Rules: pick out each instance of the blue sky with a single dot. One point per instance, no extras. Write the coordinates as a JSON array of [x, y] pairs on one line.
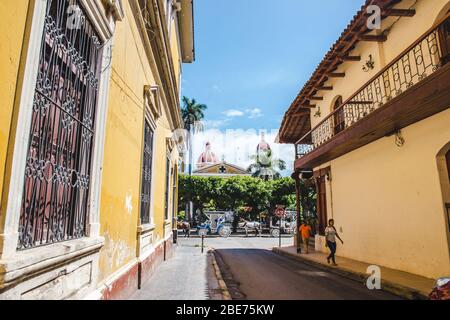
[[253, 56]]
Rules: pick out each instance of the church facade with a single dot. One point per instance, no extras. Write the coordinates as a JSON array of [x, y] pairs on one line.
[[208, 165]]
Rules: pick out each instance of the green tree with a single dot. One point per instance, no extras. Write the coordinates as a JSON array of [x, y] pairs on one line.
[[283, 193], [192, 113], [257, 196], [247, 196], [266, 167]]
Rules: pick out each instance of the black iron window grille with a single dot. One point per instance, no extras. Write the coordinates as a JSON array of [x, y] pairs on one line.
[[57, 174], [166, 202], [175, 191], [147, 174]]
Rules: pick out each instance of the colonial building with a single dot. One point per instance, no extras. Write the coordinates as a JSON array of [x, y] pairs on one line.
[[90, 97], [208, 165], [371, 129]]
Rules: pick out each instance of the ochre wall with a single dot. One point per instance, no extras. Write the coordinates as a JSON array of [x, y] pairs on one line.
[[12, 26], [121, 182], [389, 204]]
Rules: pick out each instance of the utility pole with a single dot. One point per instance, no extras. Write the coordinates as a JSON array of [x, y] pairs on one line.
[[298, 208]]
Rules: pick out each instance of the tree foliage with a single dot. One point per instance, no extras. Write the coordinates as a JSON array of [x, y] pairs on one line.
[[237, 193], [192, 114]]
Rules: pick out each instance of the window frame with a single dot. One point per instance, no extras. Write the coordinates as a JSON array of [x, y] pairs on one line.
[[9, 235]]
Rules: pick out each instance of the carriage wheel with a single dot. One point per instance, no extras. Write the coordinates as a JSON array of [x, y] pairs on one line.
[[225, 232], [275, 233]]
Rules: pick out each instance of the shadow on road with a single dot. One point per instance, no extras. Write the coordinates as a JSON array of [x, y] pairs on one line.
[[260, 274]]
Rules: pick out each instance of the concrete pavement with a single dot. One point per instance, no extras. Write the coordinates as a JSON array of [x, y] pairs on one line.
[[189, 275]]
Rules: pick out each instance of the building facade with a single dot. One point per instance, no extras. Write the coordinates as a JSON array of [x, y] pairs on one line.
[[88, 161], [371, 131]]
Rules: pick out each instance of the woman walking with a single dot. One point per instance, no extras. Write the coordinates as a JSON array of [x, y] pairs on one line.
[[331, 235]]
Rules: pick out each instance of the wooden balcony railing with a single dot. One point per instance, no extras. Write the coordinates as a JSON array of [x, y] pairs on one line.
[[423, 58]]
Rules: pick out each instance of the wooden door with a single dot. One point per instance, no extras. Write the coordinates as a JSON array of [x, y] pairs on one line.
[[321, 205]]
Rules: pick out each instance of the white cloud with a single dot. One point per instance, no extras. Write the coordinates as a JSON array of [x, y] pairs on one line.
[[214, 124], [254, 113], [233, 113]]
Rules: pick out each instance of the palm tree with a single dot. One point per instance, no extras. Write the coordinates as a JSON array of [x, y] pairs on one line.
[[192, 114], [266, 167]]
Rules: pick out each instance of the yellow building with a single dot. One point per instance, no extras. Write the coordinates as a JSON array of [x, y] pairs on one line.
[[90, 96], [371, 129]]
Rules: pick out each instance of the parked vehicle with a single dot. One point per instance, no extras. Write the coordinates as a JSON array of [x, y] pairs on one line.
[[286, 225], [442, 290], [217, 223]]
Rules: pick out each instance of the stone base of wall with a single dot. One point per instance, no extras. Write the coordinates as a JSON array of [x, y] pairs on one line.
[[126, 284], [60, 271]]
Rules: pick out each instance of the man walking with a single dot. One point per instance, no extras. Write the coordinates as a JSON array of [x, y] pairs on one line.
[[305, 231]]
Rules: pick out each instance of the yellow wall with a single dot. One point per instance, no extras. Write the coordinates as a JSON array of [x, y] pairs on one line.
[[175, 50], [12, 26], [389, 204], [121, 184]]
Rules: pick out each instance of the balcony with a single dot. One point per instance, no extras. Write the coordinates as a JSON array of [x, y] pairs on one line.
[[412, 87]]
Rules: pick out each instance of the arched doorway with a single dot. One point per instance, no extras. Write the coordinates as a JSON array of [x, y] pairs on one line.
[[339, 118]]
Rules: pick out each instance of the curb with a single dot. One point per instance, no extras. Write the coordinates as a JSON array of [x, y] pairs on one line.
[[223, 287], [388, 286]]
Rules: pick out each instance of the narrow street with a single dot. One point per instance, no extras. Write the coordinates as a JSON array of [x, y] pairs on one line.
[[252, 271]]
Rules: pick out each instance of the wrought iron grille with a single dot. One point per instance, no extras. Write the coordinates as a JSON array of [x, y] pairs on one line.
[[166, 202], [147, 174], [57, 174], [419, 61], [302, 149]]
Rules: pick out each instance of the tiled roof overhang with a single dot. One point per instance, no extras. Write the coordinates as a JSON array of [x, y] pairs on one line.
[[296, 122]]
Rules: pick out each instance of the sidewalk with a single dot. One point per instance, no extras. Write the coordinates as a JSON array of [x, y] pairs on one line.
[[189, 275], [401, 283]]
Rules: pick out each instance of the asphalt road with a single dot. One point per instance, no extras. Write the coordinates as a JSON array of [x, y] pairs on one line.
[[252, 271]]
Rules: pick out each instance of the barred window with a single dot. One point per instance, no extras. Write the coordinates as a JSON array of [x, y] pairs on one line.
[[146, 174], [57, 175], [166, 202], [175, 191]]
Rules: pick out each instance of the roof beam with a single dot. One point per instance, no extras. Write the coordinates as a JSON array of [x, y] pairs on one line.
[[400, 13], [373, 38], [307, 105], [336, 74], [350, 58], [325, 88]]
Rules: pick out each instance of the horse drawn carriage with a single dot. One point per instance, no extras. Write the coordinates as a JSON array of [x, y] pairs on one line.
[[218, 222], [284, 224]]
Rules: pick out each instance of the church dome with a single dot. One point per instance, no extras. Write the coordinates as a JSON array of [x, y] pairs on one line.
[[207, 157]]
